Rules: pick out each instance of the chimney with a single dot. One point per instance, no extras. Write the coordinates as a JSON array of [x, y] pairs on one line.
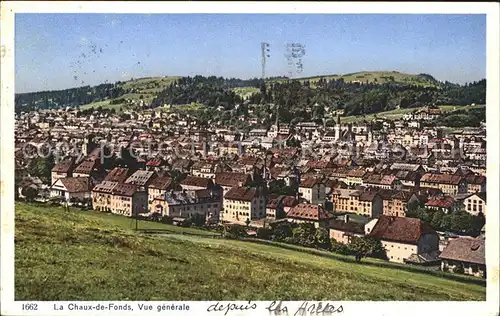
[[346, 218]]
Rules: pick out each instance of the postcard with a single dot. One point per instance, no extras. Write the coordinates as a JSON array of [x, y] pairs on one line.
[[249, 158]]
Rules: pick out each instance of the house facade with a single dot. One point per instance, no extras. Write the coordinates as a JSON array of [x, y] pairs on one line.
[[241, 204], [465, 255], [312, 190], [403, 237]]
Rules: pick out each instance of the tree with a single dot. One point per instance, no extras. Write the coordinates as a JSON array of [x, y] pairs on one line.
[[323, 238], [30, 192], [264, 233], [282, 231], [365, 246], [234, 231], [41, 167], [461, 222], [198, 219], [304, 234], [339, 248], [437, 218]]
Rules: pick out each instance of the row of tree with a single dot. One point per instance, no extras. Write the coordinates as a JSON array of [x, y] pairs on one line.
[[25, 102], [307, 235], [459, 222]]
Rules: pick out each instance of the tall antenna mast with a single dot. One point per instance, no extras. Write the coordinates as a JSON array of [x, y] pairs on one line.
[[264, 47]]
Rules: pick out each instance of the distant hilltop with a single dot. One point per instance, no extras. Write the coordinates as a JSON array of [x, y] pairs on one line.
[[356, 93], [376, 77]]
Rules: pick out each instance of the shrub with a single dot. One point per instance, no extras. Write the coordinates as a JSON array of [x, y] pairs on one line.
[[264, 233]]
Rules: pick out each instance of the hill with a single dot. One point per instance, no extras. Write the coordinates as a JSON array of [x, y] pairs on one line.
[[84, 255], [107, 95], [378, 77], [144, 89]]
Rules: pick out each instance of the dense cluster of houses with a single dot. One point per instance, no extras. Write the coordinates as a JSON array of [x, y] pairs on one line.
[[351, 179]]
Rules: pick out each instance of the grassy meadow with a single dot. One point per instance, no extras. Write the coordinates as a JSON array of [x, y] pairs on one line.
[[84, 255]]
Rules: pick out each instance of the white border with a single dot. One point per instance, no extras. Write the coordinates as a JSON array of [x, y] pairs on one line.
[[8, 9]]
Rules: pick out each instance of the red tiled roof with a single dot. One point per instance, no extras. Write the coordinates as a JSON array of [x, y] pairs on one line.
[[441, 178], [78, 184], [117, 175], [400, 229], [465, 250], [64, 166], [311, 212], [154, 162], [232, 179], [85, 167], [197, 181], [442, 202], [475, 179], [161, 183], [124, 189], [351, 227], [242, 194], [309, 182]]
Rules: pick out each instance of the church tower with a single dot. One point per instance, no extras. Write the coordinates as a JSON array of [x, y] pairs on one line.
[[277, 118], [337, 128]]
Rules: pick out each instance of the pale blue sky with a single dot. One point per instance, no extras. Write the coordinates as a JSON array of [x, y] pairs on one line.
[[51, 49]]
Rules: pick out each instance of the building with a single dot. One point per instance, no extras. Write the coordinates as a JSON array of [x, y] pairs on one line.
[[446, 204], [310, 213], [395, 203], [475, 183], [158, 187], [367, 203], [119, 198], [312, 190], [141, 179], [354, 177], [449, 184], [192, 183], [118, 174], [343, 201], [465, 255], [281, 203], [71, 188], [63, 169], [242, 204], [228, 180], [185, 204], [388, 182], [342, 231], [475, 203], [404, 237]]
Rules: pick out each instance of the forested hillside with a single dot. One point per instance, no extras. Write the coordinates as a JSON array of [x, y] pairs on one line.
[[379, 92]]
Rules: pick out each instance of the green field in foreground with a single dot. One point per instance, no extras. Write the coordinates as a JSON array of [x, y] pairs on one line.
[[83, 255]]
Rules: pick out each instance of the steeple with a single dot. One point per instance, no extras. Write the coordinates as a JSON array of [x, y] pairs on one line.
[[277, 118], [337, 128]]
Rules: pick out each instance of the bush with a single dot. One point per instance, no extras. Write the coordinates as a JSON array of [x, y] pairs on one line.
[[234, 232], [167, 220], [339, 248], [264, 233]]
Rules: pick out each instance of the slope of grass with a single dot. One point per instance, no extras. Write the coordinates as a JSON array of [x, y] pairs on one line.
[[80, 255], [379, 77], [399, 113], [148, 88], [245, 92]]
